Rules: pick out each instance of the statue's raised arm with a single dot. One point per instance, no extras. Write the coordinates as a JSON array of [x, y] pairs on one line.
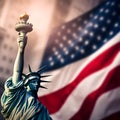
[[19, 100], [22, 27]]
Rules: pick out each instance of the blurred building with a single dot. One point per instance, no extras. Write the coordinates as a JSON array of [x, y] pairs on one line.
[[8, 48]]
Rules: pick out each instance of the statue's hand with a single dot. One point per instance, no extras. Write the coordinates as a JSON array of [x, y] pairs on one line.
[[22, 41]]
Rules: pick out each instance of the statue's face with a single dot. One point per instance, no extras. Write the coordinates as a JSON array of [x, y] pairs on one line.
[[34, 85]]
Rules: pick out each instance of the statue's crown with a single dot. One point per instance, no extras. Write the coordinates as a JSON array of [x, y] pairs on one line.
[[34, 75]]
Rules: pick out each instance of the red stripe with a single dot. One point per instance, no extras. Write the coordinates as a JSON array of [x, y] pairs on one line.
[[55, 100], [115, 116], [112, 81]]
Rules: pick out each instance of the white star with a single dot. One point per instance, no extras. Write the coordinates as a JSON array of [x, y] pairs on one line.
[[101, 18], [108, 21], [77, 48], [116, 24], [72, 56], [65, 49], [114, 13], [107, 11], [70, 43], [94, 47], [79, 28], [98, 37], [86, 42], [91, 15], [59, 56], [50, 58], [107, 3], [52, 63], [66, 52], [86, 31], [91, 34], [96, 26], [105, 41], [63, 27], [74, 25], [103, 29], [62, 60], [64, 38], [80, 39], [56, 52], [82, 51], [74, 35], [96, 17], [90, 24], [102, 9], [85, 22], [61, 45], [113, 3], [69, 31], [111, 33], [54, 49]]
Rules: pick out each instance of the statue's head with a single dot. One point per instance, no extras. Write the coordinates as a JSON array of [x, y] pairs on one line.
[[33, 80]]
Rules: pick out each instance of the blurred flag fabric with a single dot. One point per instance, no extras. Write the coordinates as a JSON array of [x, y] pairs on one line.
[[83, 57]]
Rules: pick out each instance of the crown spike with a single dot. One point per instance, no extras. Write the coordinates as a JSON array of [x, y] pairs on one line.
[[24, 74], [30, 70], [44, 81], [41, 69], [45, 76], [42, 87]]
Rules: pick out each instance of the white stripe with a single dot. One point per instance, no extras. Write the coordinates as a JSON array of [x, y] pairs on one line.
[[64, 76], [77, 97], [107, 104]]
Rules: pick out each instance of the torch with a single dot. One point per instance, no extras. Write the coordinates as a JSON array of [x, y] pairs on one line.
[[23, 27]]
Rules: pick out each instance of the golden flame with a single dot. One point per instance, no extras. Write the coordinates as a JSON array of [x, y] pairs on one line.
[[24, 16]]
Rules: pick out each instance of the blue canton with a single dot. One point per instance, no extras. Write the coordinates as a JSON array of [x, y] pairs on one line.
[[82, 36]]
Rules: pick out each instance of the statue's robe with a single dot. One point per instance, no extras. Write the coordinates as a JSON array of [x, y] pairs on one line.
[[18, 104]]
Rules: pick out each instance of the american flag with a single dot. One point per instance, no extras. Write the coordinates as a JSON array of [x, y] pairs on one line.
[[83, 57]]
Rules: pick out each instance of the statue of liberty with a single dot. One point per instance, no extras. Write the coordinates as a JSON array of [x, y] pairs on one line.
[[19, 100]]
